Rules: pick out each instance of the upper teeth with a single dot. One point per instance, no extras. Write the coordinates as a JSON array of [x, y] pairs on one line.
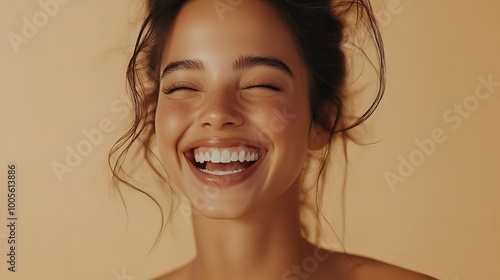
[[224, 155]]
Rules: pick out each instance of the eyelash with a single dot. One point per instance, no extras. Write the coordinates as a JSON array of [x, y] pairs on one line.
[[174, 87], [268, 85], [179, 86]]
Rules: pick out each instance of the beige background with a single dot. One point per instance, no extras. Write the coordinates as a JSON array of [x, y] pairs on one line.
[[442, 220]]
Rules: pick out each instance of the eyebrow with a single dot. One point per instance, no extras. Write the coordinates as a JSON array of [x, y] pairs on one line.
[[248, 61], [243, 62], [185, 64]]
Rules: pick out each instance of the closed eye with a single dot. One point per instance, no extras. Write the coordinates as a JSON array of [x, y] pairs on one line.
[[268, 85], [177, 87]]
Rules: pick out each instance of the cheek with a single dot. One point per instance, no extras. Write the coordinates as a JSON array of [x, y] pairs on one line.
[[170, 122], [283, 121]]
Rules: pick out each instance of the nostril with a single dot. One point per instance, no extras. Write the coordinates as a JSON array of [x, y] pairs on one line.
[[221, 117], [219, 124]]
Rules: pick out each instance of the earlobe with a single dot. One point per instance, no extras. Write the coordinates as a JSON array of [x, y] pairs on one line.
[[318, 138]]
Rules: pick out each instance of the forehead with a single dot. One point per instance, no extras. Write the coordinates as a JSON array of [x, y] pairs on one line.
[[206, 31]]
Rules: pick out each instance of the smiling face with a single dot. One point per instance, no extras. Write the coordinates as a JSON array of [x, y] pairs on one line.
[[233, 119]]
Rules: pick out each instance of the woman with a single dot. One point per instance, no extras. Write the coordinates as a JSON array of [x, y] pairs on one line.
[[240, 96]]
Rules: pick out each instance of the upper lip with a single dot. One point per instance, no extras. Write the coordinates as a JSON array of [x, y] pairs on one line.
[[220, 142]]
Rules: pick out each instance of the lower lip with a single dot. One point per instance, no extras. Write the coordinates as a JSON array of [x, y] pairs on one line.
[[228, 180]]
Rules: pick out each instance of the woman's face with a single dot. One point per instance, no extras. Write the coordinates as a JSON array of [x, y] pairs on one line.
[[233, 120]]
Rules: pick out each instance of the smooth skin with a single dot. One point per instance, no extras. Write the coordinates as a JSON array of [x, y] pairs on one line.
[[250, 230]]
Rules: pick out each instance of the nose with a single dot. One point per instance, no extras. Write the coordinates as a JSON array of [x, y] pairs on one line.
[[220, 110]]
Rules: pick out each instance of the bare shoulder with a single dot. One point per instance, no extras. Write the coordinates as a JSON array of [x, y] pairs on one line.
[[181, 273], [336, 264], [354, 267]]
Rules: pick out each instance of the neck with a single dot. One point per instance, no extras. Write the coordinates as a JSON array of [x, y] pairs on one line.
[[261, 245]]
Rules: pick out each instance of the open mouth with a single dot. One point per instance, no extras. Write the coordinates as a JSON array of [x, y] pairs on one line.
[[224, 161]]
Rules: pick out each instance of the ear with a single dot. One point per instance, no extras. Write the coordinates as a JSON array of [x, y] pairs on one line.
[[317, 138]]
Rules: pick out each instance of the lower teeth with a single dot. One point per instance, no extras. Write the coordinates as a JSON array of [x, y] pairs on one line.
[[221, 172]]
